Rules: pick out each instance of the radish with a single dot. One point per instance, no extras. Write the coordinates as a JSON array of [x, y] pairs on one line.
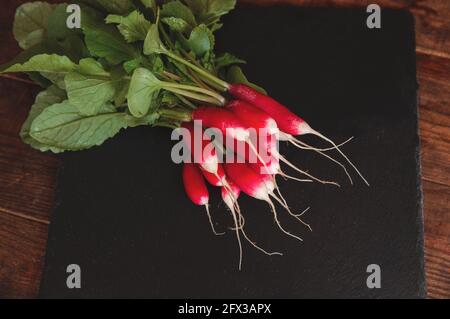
[[196, 189], [287, 121], [218, 180], [272, 166], [253, 117], [203, 152], [223, 120], [267, 131], [258, 186], [227, 122]]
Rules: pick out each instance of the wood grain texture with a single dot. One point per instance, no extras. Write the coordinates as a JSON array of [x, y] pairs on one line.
[[27, 177], [22, 250]]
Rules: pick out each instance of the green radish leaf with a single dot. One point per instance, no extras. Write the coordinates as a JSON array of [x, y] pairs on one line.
[[44, 63], [208, 11], [30, 23], [57, 24], [227, 59], [106, 42], [201, 40], [209, 61], [90, 87], [74, 48], [156, 64], [149, 3], [133, 27], [176, 9], [122, 85], [87, 93], [39, 79], [61, 126], [46, 47], [131, 65], [169, 99], [236, 75], [122, 88], [176, 24], [90, 66], [143, 93], [216, 27], [56, 78], [112, 6], [52, 95], [153, 43]]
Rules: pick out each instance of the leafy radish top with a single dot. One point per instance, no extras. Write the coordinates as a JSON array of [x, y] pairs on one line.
[[131, 63]]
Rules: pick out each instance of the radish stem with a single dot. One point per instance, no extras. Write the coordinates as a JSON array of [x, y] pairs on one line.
[[197, 69], [213, 94], [195, 96], [176, 114]]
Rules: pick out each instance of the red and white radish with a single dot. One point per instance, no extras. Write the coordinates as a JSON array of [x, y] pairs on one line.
[[253, 117], [258, 186], [266, 139], [217, 180], [287, 121], [223, 120], [196, 189], [228, 123], [202, 151]]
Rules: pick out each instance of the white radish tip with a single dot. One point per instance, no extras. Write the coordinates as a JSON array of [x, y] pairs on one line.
[[263, 191], [229, 201], [204, 201], [284, 137], [211, 165], [304, 129], [272, 127], [239, 134], [272, 169]]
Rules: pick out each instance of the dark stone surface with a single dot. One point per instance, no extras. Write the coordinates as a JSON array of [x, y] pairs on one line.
[[122, 215]]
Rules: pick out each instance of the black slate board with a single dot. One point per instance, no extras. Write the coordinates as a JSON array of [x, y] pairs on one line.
[[121, 213]]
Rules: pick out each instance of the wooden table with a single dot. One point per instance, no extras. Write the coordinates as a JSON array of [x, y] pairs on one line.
[[27, 177]]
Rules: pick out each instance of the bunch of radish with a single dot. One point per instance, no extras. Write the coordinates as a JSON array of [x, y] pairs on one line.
[[248, 110], [154, 64]]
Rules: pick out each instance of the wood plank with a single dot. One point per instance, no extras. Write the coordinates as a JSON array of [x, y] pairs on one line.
[[437, 208], [437, 241], [22, 250], [437, 259], [435, 117], [27, 179]]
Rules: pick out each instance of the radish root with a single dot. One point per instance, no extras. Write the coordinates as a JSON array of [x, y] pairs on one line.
[[300, 145], [284, 160], [285, 206], [284, 175], [238, 237], [212, 223], [275, 215], [314, 132], [251, 241], [308, 147]]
